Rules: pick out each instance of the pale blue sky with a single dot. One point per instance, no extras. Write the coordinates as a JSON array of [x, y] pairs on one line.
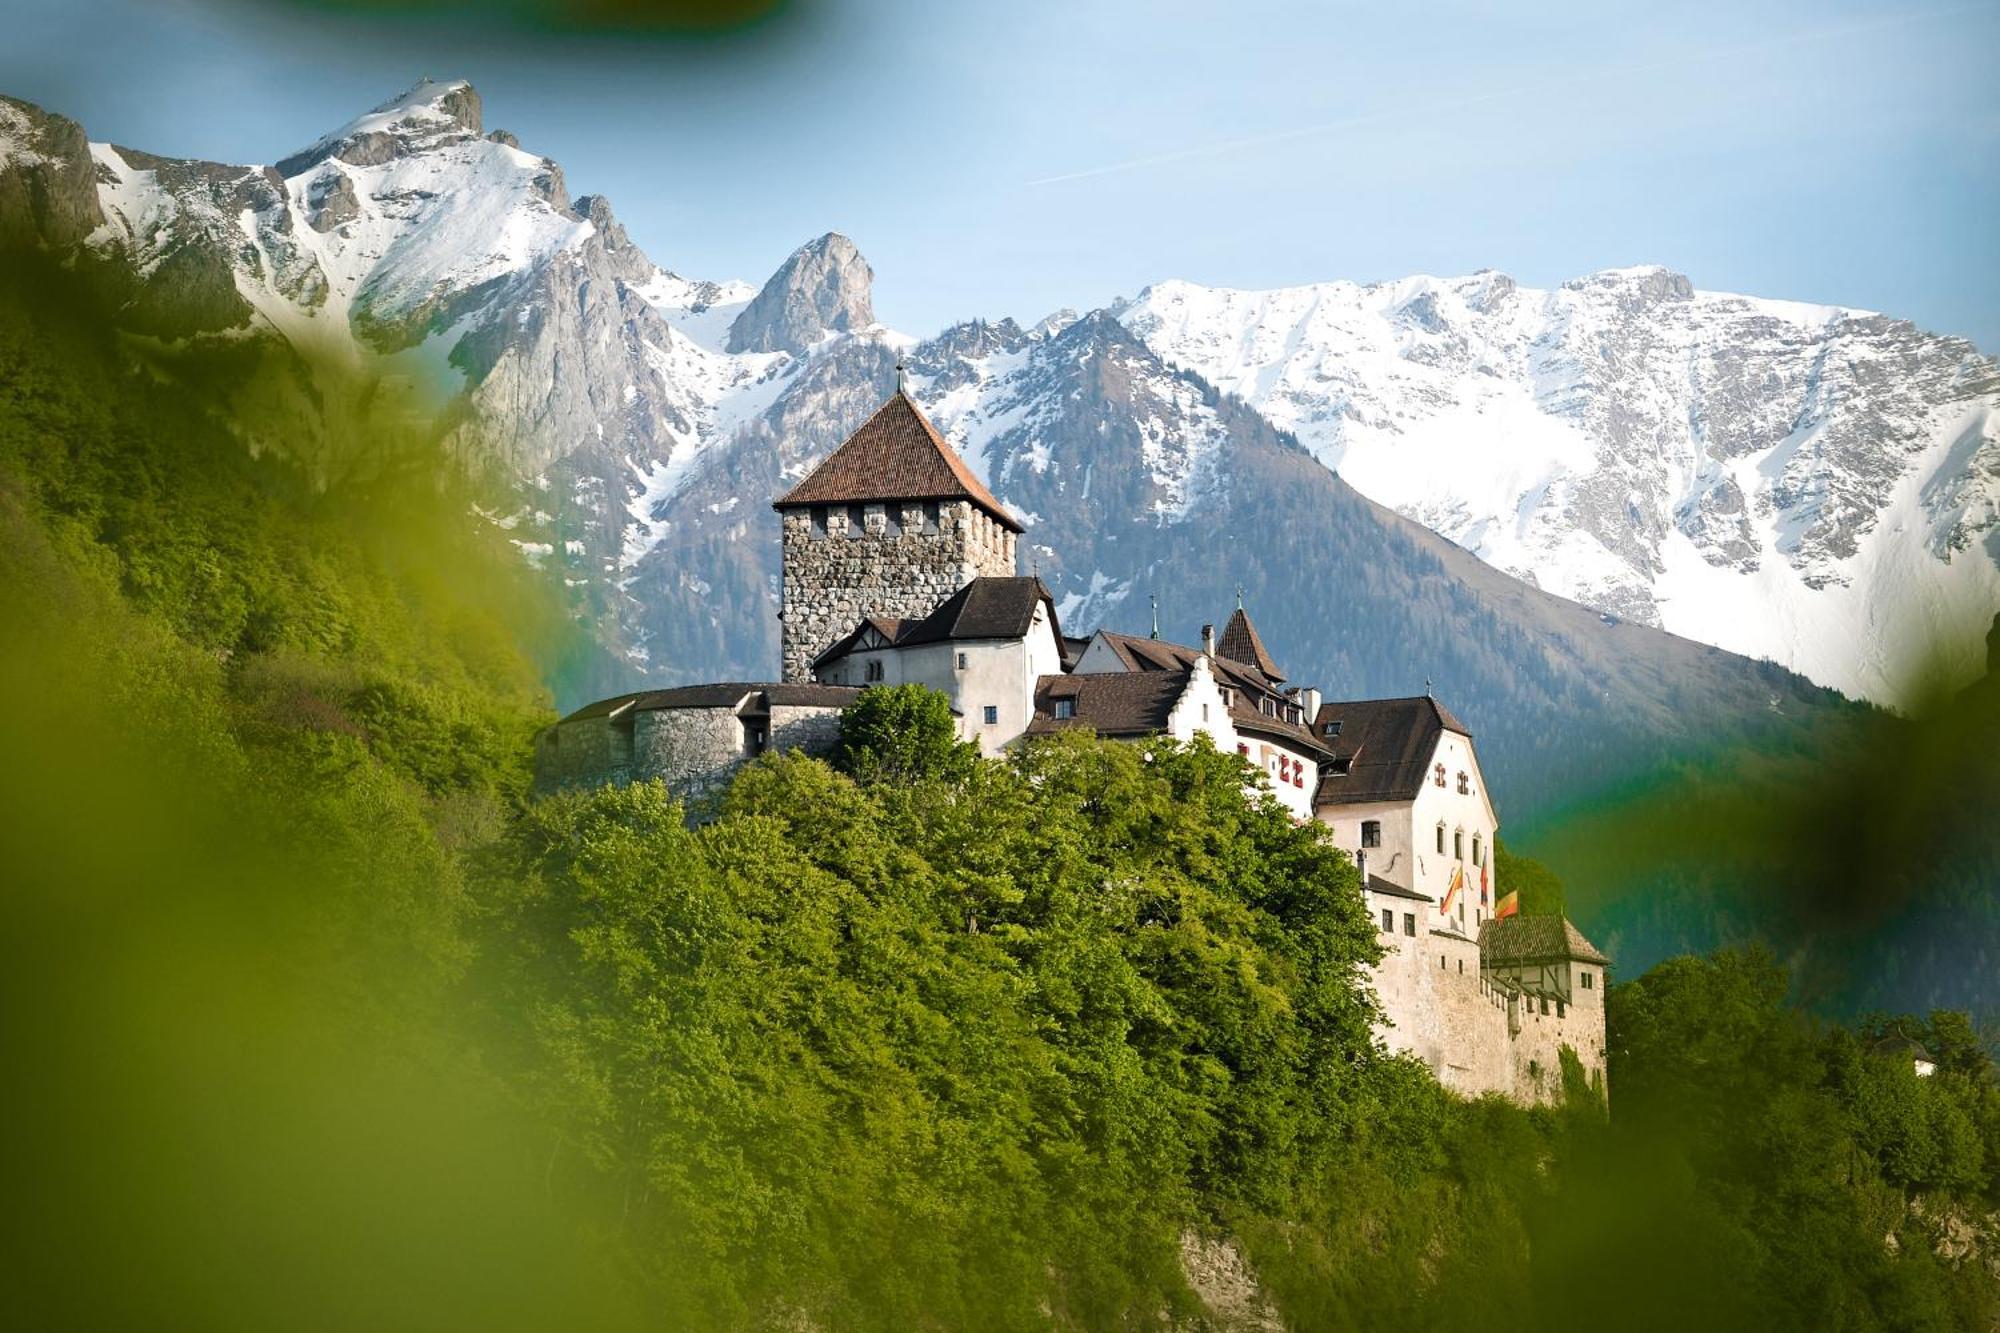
[[1008, 159]]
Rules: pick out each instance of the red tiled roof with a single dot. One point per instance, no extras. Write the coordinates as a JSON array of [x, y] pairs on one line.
[[896, 455]]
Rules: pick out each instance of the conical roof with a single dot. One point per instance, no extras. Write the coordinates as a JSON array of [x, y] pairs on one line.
[[1241, 644], [896, 455]]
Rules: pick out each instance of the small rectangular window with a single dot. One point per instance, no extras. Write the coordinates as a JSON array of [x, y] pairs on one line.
[[1559, 1008], [992, 714], [1586, 980], [1371, 833], [1410, 924], [1388, 921], [1333, 728], [1065, 708], [1440, 840], [961, 661]]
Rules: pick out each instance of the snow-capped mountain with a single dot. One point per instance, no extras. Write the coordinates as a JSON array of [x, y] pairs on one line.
[[648, 418], [1815, 485]]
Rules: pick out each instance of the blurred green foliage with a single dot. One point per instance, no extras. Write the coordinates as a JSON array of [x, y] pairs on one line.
[[1865, 850]]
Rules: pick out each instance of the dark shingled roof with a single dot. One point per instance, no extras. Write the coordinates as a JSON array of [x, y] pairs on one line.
[[1378, 885], [758, 695], [1249, 683], [1240, 643], [988, 607], [896, 455], [1111, 703], [1387, 745], [1535, 939]]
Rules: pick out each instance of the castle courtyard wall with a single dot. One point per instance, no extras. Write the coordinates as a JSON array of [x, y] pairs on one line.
[[1476, 1036], [694, 750]]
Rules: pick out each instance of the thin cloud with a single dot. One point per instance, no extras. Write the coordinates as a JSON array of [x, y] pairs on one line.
[[1829, 33]]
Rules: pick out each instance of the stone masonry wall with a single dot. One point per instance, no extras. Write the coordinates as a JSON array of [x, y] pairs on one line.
[[1536, 1047], [695, 751], [813, 730], [1476, 1036], [843, 562]]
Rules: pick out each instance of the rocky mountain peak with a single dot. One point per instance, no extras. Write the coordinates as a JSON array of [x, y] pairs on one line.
[[429, 114], [822, 288], [1645, 284]]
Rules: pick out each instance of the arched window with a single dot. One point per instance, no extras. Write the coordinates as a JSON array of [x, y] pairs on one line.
[[1475, 851], [1440, 839], [1458, 844]]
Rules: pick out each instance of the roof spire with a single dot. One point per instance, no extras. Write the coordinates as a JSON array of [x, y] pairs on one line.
[[1427, 687], [902, 382], [1154, 598], [1239, 597]]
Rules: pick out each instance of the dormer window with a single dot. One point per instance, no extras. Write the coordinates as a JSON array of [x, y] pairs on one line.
[[1065, 709], [1332, 728]]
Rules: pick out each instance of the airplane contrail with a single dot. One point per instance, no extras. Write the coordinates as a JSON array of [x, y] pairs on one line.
[[1459, 104]]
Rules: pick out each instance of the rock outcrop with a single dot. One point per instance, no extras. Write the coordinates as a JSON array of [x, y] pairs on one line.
[[822, 288]]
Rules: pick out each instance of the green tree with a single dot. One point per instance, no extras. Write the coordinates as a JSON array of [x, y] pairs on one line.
[[901, 733]]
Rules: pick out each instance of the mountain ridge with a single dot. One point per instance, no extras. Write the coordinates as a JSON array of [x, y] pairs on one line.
[[1813, 484], [648, 452]]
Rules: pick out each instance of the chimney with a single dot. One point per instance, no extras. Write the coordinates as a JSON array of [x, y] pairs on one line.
[[1208, 640], [1309, 700]]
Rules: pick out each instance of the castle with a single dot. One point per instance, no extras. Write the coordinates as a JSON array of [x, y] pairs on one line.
[[899, 567]]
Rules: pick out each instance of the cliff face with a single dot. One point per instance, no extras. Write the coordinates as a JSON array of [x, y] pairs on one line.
[[48, 190]]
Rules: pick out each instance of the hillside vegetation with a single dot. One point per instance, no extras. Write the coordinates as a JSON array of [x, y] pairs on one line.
[[316, 1021]]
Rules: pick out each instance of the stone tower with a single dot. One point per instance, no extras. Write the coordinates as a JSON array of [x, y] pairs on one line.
[[890, 525]]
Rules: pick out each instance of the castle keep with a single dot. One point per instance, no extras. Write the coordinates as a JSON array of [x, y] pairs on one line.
[[899, 568], [891, 524]]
